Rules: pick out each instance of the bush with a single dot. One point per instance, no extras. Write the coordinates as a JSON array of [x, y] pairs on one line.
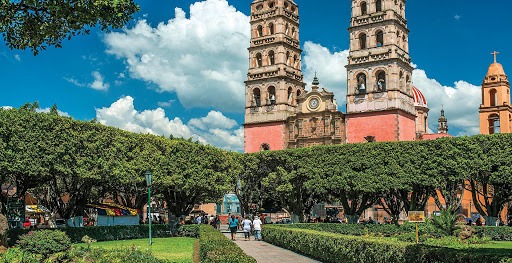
[[98, 255], [110, 233], [371, 230], [330, 247], [44, 242], [16, 255], [215, 247], [496, 233]]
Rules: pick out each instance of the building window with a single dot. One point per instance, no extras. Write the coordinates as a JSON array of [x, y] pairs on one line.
[[361, 83], [287, 29], [271, 4], [288, 58], [259, 60], [257, 97], [364, 8], [272, 95], [260, 31], [425, 121], [290, 95], [265, 147], [380, 38], [494, 124], [381, 81], [271, 58], [494, 98], [378, 5], [271, 28], [295, 62], [362, 41], [298, 93]]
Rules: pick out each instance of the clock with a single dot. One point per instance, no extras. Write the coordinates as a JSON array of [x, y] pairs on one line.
[[313, 103]]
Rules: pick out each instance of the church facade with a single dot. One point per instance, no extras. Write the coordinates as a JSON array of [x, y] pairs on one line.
[[381, 102]]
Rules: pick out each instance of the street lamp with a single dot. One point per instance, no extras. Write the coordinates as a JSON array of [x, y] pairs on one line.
[[149, 182]]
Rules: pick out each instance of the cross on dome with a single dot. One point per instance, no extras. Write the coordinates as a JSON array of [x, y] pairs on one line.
[[495, 53]]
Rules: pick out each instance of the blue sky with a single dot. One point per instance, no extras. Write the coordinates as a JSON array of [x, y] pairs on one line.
[[185, 76]]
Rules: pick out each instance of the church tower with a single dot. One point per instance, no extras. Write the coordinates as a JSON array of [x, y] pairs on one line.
[[275, 79], [380, 101], [495, 110], [442, 123]]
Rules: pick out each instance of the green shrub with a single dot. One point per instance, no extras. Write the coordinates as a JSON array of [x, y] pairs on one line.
[[371, 230], [110, 233], [496, 233], [16, 255], [215, 247], [446, 221], [44, 242], [98, 255], [331, 247]]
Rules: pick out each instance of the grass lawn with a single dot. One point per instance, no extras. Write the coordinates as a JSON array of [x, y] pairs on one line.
[[175, 249]]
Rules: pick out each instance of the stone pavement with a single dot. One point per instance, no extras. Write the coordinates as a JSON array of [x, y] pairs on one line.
[[264, 252]]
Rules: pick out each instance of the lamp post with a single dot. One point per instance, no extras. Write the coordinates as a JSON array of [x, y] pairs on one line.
[[149, 182]]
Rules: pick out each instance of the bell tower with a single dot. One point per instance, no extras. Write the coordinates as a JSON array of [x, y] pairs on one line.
[[380, 102], [495, 110], [275, 79]]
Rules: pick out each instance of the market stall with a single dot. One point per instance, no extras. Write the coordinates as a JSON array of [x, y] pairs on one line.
[[114, 215]]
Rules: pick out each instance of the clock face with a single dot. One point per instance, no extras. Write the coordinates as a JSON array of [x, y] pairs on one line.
[[313, 103]]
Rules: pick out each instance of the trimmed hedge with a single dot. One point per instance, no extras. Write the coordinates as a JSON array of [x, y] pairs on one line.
[[76, 254], [369, 229], [331, 247], [109, 233], [500, 233], [215, 247], [496, 233]]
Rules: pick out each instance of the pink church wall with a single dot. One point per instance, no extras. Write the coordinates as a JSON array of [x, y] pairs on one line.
[[385, 126], [258, 134]]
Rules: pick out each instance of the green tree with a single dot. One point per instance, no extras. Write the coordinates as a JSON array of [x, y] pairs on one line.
[[36, 24]]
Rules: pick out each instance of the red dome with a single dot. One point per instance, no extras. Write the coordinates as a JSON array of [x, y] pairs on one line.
[[419, 98]]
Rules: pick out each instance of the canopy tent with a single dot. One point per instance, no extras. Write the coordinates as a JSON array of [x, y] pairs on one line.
[[114, 214], [36, 209]]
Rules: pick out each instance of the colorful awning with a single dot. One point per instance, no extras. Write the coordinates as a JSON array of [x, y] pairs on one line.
[[114, 210]]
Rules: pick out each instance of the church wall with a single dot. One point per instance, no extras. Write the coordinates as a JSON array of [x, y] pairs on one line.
[[385, 126], [407, 127], [255, 135]]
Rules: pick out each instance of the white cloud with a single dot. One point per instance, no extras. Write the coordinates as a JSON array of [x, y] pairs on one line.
[[61, 113], [17, 57], [6, 107], [457, 17], [166, 104], [98, 83], [75, 82], [461, 101], [214, 129], [330, 68], [214, 119], [203, 58]]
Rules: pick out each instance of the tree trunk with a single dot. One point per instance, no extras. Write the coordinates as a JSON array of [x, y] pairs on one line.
[[490, 220], [352, 219]]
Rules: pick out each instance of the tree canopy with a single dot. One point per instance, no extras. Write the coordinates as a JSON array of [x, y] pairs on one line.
[[55, 157], [36, 24]]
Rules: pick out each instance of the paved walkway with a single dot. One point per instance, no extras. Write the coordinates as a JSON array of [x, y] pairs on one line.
[[264, 252]]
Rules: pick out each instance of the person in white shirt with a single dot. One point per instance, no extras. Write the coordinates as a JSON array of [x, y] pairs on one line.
[[257, 228], [246, 225]]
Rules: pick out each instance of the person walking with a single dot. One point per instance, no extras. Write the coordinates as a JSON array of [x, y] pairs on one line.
[[257, 228], [233, 226], [247, 225]]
